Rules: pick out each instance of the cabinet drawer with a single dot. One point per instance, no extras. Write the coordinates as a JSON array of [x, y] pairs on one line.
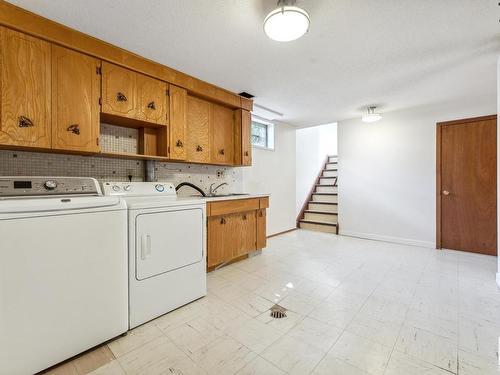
[[232, 206]]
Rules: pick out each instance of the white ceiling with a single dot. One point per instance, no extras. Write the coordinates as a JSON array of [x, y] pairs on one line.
[[393, 53]]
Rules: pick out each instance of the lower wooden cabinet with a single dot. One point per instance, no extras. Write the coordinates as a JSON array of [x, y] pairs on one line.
[[232, 233], [261, 228]]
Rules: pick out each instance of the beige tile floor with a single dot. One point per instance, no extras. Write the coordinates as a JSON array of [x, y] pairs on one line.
[[356, 307]]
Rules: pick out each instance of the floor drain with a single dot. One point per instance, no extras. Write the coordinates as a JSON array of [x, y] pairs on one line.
[[278, 312]]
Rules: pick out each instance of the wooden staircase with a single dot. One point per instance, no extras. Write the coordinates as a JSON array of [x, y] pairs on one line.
[[320, 211]]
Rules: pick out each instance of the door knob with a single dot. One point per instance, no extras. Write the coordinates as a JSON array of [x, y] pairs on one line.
[[446, 192]]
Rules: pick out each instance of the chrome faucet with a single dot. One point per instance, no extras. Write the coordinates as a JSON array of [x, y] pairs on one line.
[[212, 191]]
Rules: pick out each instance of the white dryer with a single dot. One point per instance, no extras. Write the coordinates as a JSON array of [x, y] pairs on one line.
[[166, 248]]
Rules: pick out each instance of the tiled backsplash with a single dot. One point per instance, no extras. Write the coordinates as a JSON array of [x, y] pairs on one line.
[[21, 163], [118, 139]]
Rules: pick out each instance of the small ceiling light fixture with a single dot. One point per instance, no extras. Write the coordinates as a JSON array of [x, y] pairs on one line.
[[287, 22], [370, 115]]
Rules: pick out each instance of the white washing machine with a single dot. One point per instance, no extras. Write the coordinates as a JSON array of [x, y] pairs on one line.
[[166, 248], [63, 270]]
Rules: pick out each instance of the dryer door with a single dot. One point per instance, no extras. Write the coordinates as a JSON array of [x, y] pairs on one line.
[[168, 240]]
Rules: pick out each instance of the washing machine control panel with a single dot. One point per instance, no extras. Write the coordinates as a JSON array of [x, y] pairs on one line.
[[139, 188], [24, 186]]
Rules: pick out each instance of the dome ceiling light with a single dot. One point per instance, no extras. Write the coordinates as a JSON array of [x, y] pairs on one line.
[[371, 115], [287, 22]]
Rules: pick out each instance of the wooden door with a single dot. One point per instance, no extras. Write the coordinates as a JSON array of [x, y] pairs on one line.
[[198, 112], [467, 185], [76, 87], [177, 123], [152, 100], [246, 138], [119, 91], [244, 232], [221, 134], [25, 90], [261, 229]]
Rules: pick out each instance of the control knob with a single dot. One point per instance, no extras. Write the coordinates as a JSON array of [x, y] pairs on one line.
[[116, 188], [160, 188], [50, 184]]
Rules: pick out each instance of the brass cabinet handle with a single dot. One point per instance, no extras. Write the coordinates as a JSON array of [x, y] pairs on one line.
[[121, 97], [446, 192], [244, 217], [25, 122], [199, 148], [246, 153], [179, 143], [260, 213], [221, 151], [152, 105], [75, 129], [222, 220]]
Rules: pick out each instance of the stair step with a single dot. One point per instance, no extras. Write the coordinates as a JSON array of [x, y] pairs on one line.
[[326, 189], [318, 216], [327, 173], [327, 181], [323, 207], [318, 226], [331, 166], [330, 169], [325, 197]]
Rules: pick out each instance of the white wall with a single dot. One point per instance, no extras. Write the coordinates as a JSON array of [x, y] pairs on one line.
[[312, 146], [387, 171], [273, 172]]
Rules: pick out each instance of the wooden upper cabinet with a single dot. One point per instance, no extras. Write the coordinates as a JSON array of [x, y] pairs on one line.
[[152, 99], [25, 90], [178, 123], [197, 145], [221, 134], [119, 91], [76, 87], [132, 95], [246, 138]]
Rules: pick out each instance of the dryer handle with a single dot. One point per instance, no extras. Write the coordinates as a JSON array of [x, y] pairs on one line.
[[145, 246]]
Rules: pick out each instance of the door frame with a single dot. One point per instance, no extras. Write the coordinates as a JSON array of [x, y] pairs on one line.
[[439, 129]]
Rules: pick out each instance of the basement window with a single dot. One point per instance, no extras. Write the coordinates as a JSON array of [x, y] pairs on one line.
[[262, 134]]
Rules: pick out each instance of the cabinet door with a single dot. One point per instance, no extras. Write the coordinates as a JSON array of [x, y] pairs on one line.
[[246, 138], [76, 88], [261, 229], [119, 91], [246, 233], [222, 239], [25, 90], [178, 122], [221, 134], [152, 100], [198, 112]]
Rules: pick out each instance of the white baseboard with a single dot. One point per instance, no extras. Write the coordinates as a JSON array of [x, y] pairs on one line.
[[498, 279], [377, 237]]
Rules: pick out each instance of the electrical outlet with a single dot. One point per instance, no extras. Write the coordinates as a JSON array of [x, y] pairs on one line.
[[221, 173]]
